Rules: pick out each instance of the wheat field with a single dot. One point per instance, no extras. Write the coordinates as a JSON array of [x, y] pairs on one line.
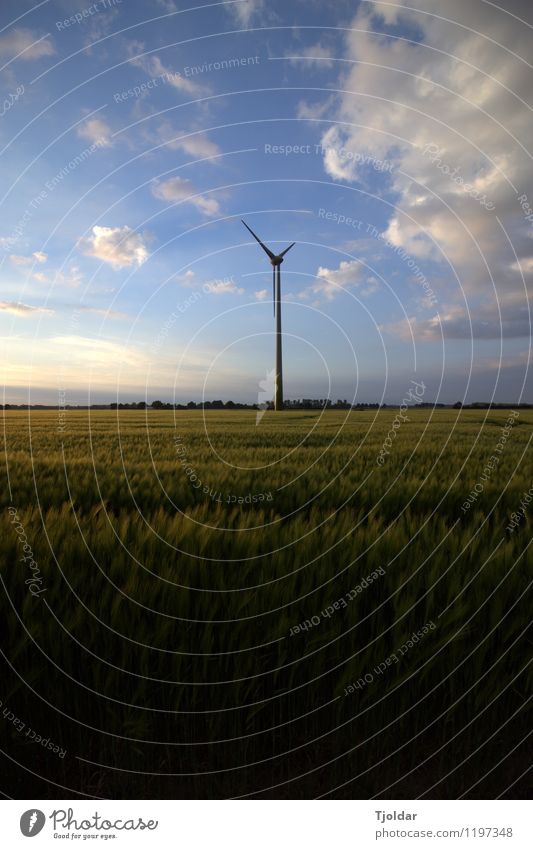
[[197, 605]]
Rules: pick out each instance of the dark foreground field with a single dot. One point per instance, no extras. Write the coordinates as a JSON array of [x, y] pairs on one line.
[[157, 569]]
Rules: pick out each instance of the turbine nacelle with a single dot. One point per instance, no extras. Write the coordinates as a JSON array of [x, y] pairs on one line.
[[275, 259]]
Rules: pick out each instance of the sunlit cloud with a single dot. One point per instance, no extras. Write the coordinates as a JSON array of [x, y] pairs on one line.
[[247, 11], [120, 247], [154, 67], [25, 44], [331, 282], [36, 256], [223, 287], [24, 310], [97, 131], [187, 278], [179, 189], [197, 145]]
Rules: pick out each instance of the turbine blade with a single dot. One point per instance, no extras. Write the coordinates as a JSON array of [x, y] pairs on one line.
[[257, 239], [274, 290], [287, 249]]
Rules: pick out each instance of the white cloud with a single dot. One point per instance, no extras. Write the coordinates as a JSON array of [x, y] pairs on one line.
[[223, 287], [246, 11], [71, 277], [179, 189], [168, 5], [25, 44], [188, 278], [524, 266], [113, 314], [195, 144], [37, 256], [331, 281], [97, 131], [262, 295], [153, 67], [389, 11], [316, 54], [83, 350], [92, 365], [371, 286], [508, 319], [85, 364], [437, 99], [16, 308], [121, 247]]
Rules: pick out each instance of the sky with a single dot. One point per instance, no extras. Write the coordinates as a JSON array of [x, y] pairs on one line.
[[390, 141]]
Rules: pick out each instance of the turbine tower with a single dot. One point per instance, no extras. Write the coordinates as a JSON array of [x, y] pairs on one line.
[[275, 261]]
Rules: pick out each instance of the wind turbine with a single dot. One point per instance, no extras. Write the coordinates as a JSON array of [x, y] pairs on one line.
[[275, 261]]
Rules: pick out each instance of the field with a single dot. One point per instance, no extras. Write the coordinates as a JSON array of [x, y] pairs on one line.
[[210, 607]]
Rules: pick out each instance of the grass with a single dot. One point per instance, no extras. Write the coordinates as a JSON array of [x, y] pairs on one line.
[[160, 653]]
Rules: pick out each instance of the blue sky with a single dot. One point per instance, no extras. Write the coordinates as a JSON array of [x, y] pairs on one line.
[[391, 144]]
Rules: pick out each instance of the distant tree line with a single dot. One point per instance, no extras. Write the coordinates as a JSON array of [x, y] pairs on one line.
[[298, 404]]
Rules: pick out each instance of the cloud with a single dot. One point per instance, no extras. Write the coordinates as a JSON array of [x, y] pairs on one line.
[[452, 127], [262, 295], [114, 314], [316, 54], [389, 10], [371, 285], [16, 308], [87, 365], [101, 355], [226, 286], [223, 287], [153, 67], [188, 278], [196, 144], [121, 247], [331, 282], [315, 111], [168, 5], [37, 256], [179, 189], [503, 320], [70, 277], [524, 266], [97, 131], [245, 12], [97, 351], [25, 45]]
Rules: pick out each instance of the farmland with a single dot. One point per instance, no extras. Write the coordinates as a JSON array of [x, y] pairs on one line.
[[211, 607]]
